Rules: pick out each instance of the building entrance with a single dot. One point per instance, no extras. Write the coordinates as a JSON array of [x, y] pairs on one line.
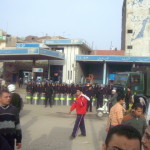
[[56, 73]]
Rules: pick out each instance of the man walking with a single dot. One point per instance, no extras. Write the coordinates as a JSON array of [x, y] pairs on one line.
[[80, 105], [9, 121]]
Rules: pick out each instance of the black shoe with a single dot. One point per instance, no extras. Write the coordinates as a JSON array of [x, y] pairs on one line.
[[81, 135], [72, 137]]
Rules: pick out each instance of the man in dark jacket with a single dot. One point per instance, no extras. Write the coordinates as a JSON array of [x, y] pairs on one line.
[[4, 144], [99, 96], [90, 94], [113, 99], [9, 121], [48, 94], [30, 90]]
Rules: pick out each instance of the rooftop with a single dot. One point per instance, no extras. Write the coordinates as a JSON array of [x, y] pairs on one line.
[[108, 52]]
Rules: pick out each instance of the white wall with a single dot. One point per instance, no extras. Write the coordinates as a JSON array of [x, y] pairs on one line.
[[72, 71], [138, 19], [2, 45], [70, 63]]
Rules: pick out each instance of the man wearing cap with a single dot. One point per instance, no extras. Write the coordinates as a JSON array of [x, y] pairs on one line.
[[80, 105], [113, 99], [16, 99]]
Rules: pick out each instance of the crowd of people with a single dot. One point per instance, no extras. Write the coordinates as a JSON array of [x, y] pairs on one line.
[[51, 89], [126, 126]]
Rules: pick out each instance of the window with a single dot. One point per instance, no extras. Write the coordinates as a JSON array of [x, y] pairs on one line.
[[130, 31], [135, 79], [71, 76], [121, 79], [60, 50], [68, 75], [129, 47]]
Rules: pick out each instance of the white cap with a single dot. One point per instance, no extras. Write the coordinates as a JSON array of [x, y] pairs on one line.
[[113, 90], [11, 87]]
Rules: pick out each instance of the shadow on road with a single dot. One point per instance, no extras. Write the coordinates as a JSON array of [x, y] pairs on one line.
[[26, 133], [24, 113], [57, 139]]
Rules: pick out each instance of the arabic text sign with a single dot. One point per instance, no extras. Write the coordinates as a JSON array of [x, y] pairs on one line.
[[27, 45], [112, 58], [37, 69]]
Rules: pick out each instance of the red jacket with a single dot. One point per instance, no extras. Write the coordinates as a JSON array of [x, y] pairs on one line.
[[80, 105]]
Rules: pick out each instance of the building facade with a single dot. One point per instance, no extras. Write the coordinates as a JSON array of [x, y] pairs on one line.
[[136, 27], [70, 70], [2, 39], [67, 70]]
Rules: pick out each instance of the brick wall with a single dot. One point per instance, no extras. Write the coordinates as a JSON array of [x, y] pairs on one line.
[[107, 52]]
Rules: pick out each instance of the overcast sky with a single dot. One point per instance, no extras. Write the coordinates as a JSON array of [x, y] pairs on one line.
[[98, 22]]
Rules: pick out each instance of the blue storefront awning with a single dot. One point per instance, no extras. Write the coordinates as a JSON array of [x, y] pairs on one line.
[[112, 58], [30, 54]]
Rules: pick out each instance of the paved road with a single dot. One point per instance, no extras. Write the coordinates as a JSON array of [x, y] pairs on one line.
[[50, 128]]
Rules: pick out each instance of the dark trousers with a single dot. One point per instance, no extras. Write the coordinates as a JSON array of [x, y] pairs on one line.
[[127, 104], [79, 123], [89, 105], [48, 99], [110, 106], [11, 141], [99, 102]]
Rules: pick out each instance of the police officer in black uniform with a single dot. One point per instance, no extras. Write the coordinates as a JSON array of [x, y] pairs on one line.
[[30, 89], [99, 96], [90, 94], [48, 95]]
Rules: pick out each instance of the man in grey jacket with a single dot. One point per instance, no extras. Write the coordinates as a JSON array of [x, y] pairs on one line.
[[113, 99]]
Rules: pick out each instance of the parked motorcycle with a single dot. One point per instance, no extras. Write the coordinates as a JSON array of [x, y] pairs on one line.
[[104, 109]]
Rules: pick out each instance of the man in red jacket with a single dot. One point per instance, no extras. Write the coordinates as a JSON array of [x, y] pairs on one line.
[[80, 105]]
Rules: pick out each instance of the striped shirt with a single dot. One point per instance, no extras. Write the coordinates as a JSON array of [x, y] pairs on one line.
[[116, 113], [10, 123]]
